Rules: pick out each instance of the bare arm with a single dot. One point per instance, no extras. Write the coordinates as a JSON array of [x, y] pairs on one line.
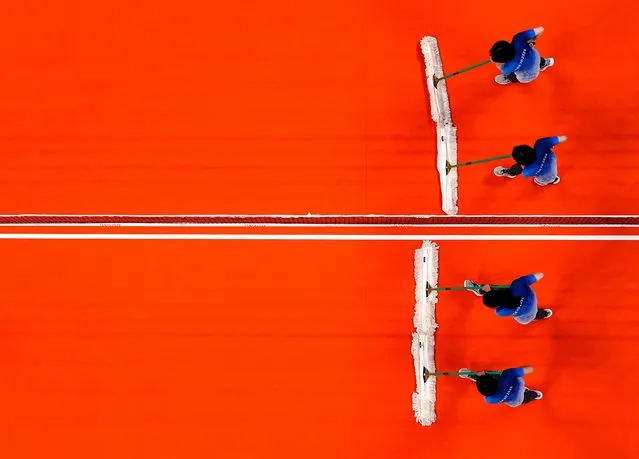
[[539, 276], [527, 369], [537, 31], [562, 138]]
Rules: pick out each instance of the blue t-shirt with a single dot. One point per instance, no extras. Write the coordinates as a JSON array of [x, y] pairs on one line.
[[527, 304], [511, 388], [525, 64], [544, 168]]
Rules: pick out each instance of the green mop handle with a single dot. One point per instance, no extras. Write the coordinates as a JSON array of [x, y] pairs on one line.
[[477, 161], [437, 80], [441, 289], [426, 374], [464, 373]]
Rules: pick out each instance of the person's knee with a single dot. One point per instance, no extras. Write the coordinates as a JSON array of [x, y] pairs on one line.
[[515, 169]]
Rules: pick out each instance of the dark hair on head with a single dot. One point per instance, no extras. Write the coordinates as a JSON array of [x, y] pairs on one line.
[[502, 52], [487, 385], [524, 155], [500, 298]]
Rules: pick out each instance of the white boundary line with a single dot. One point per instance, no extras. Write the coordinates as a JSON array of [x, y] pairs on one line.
[[312, 225], [292, 216], [324, 237]]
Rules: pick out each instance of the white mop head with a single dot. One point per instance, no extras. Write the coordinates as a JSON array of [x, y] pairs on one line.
[[424, 396], [446, 131], [439, 104], [447, 151], [423, 345], [426, 272]]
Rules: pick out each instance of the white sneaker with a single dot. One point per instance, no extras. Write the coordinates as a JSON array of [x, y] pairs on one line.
[[500, 171], [549, 63], [555, 182], [502, 79], [473, 287], [540, 395], [549, 314], [464, 370]]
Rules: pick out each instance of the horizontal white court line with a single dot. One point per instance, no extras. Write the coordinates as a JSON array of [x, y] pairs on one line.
[[309, 215], [325, 237], [314, 225]]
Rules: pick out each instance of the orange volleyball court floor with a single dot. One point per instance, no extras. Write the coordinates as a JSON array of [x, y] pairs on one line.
[[285, 349], [144, 106], [165, 349]]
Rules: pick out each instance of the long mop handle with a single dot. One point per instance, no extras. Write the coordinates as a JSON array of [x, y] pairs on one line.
[[437, 80], [477, 161], [464, 373], [441, 289], [426, 374]]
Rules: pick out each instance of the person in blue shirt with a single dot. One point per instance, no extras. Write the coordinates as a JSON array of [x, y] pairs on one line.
[[508, 388], [518, 61], [537, 162], [518, 301]]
